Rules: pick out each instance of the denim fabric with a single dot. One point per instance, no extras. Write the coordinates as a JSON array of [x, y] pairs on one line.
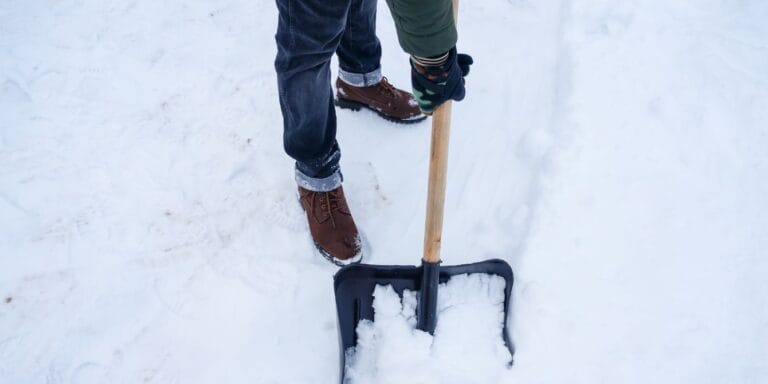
[[309, 32], [360, 79], [318, 182], [359, 50]]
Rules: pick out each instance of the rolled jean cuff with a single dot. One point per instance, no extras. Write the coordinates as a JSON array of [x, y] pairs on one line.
[[325, 184], [361, 79]]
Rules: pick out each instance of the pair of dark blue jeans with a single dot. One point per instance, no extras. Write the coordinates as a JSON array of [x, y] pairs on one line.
[[309, 32]]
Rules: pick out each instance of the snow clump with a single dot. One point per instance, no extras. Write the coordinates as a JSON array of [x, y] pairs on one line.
[[467, 346]]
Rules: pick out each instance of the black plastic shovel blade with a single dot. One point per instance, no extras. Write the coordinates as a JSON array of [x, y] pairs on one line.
[[354, 286]]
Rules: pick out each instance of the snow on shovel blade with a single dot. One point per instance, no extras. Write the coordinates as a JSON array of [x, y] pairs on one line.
[[354, 286]]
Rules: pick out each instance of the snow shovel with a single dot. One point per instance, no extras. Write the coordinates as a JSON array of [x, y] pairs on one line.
[[354, 284]]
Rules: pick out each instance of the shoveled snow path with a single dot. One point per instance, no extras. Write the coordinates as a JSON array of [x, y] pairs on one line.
[[613, 154]]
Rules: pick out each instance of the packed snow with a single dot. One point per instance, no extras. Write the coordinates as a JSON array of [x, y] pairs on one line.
[[467, 346], [614, 153]]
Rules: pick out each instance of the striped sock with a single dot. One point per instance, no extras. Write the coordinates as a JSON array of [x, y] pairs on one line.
[[434, 61]]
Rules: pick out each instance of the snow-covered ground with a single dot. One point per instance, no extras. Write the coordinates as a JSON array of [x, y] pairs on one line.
[[615, 153]]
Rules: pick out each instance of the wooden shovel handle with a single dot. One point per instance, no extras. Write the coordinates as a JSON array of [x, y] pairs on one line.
[[438, 167], [438, 159]]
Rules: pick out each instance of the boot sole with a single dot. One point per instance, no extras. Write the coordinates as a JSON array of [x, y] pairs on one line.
[[356, 106], [339, 262]]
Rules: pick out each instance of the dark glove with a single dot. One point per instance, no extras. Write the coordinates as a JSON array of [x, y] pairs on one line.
[[434, 85]]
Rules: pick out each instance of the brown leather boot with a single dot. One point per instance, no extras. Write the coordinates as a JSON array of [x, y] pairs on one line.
[[383, 98], [331, 225]]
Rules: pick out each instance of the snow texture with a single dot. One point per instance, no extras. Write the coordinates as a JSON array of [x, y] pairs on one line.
[[614, 153], [467, 346]]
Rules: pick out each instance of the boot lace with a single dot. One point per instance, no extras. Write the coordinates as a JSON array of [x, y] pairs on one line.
[[331, 202], [386, 88]]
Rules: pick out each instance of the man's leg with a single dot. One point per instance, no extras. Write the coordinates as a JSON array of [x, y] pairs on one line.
[[359, 50], [360, 81], [308, 34]]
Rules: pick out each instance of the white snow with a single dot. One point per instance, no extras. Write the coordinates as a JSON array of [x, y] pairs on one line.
[[614, 153], [467, 346]]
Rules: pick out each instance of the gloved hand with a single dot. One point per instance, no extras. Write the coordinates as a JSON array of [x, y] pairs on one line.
[[434, 85]]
